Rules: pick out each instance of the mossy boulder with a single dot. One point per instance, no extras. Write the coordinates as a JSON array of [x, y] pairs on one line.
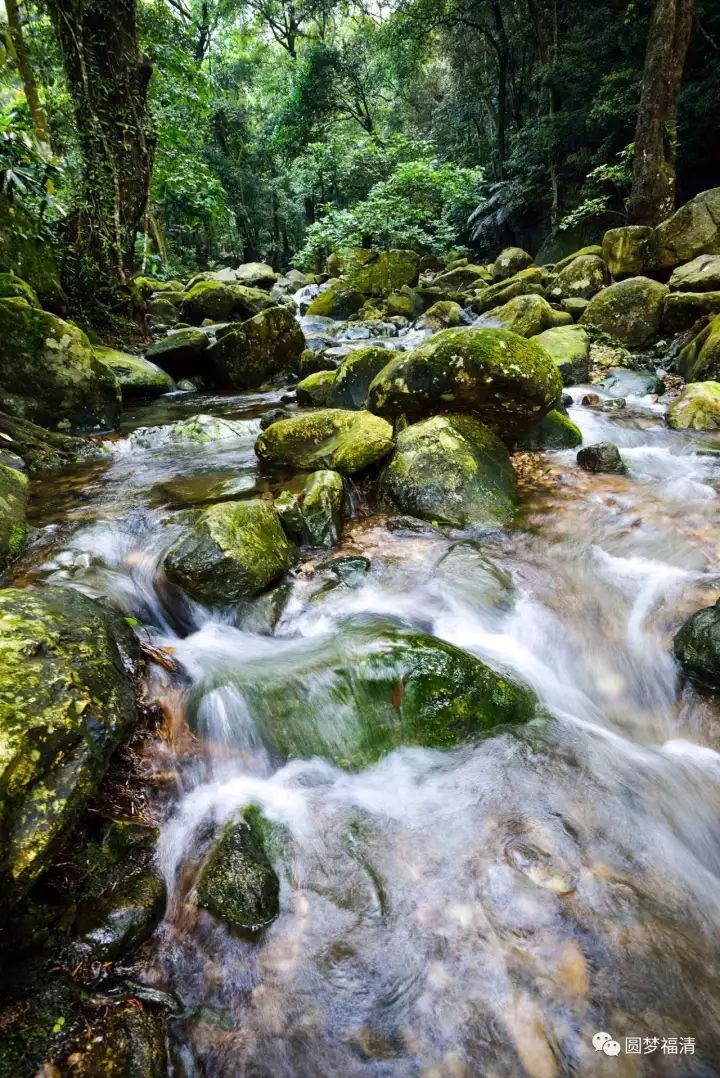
[[146, 286], [31, 258], [237, 883], [697, 408], [442, 315], [582, 252], [339, 439], [580, 279], [528, 282], [506, 381], [322, 508], [12, 287], [182, 353], [138, 377], [377, 273], [44, 450], [354, 375], [316, 389], [699, 360], [198, 429], [463, 279], [452, 470], [509, 262], [569, 346], [692, 230], [50, 374], [403, 303], [250, 354], [67, 700], [13, 506], [527, 316], [630, 251], [630, 311], [681, 310], [336, 301], [700, 275], [555, 431], [234, 551], [222, 302], [132, 1045], [697, 648], [256, 274]]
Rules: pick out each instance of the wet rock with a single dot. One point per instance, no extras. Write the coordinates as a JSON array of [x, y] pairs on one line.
[[681, 310], [237, 883], [233, 552], [591, 400], [468, 572], [505, 381], [118, 922], [372, 686], [220, 302], [13, 507], [692, 230], [442, 315], [67, 700], [268, 418], [350, 569], [569, 346], [132, 1045], [182, 353], [697, 648], [630, 251], [603, 457], [528, 316], [311, 362], [322, 508], [49, 373], [452, 470], [252, 353], [138, 377], [581, 278], [697, 408], [198, 429], [621, 383], [316, 389], [509, 262], [555, 431], [629, 311], [699, 360], [162, 312], [186, 386], [344, 441], [336, 301], [43, 450], [700, 275], [354, 375]]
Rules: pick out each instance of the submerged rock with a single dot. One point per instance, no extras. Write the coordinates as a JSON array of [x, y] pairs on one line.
[[252, 353], [468, 572], [138, 377], [453, 470], [67, 700], [237, 883], [199, 429], [182, 353], [629, 311], [603, 457], [569, 346], [344, 441], [13, 505], [354, 375], [506, 381], [697, 408], [232, 552], [132, 1046], [697, 648]]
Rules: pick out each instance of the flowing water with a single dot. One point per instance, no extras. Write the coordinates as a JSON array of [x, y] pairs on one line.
[[483, 911]]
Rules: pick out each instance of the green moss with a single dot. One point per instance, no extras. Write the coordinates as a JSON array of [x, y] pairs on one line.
[[555, 431], [528, 316], [697, 648], [377, 273], [569, 347], [138, 377], [579, 279], [697, 408], [248, 355], [12, 287], [13, 506], [403, 303], [344, 441], [700, 359], [33, 260], [322, 505], [336, 301], [354, 375], [630, 251], [511, 261], [528, 282], [629, 311], [222, 302], [316, 388], [463, 278], [443, 315]]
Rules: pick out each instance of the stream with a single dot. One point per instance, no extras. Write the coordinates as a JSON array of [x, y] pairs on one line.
[[483, 911]]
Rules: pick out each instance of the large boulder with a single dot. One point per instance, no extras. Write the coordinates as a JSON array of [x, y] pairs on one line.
[[530, 281], [376, 273], [315, 389], [13, 287], [13, 506], [354, 375], [22, 252], [221, 302], [509, 383], [463, 279], [250, 354], [138, 377], [700, 275], [681, 310], [693, 230], [527, 316], [697, 648], [453, 470], [555, 431], [182, 353], [50, 374], [233, 551], [569, 346], [564, 262], [337, 300], [335, 438], [630, 251], [445, 314], [371, 687], [699, 360], [580, 279], [629, 311], [67, 700], [509, 262], [257, 275], [697, 408]]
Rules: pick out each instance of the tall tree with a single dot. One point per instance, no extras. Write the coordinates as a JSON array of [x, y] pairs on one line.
[[108, 80], [652, 197], [22, 58]]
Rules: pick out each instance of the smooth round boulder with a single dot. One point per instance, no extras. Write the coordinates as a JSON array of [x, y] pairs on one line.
[[341, 440], [526, 316], [509, 262], [237, 883], [354, 375], [630, 312], [256, 274], [450, 469], [506, 381], [555, 431], [250, 354], [697, 408], [219, 301], [697, 648], [315, 389], [569, 346], [602, 457], [138, 377]]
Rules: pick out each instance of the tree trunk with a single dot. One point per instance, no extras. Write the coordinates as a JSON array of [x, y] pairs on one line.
[[108, 80], [652, 197], [22, 58]]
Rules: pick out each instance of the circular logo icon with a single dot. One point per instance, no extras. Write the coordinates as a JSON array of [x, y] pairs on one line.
[[611, 1048], [600, 1040]]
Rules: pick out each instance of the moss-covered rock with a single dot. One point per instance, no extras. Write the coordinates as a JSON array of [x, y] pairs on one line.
[[335, 438], [322, 508], [569, 346], [630, 251], [12, 287], [697, 408], [336, 301], [254, 352], [67, 700], [564, 262], [377, 273], [31, 258], [138, 377], [49, 373], [452, 470], [238, 884], [697, 648], [526, 283], [555, 431], [232, 552], [162, 311], [527, 316], [221, 302], [146, 286], [316, 389], [509, 262], [700, 275], [699, 360], [354, 375], [43, 450], [198, 429], [403, 303], [132, 1046], [13, 506], [692, 230], [629, 311], [182, 354], [463, 279], [681, 310], [257, 275], [371, 687], [119, 921], [509, 383], [580, 279], [442, 315]]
